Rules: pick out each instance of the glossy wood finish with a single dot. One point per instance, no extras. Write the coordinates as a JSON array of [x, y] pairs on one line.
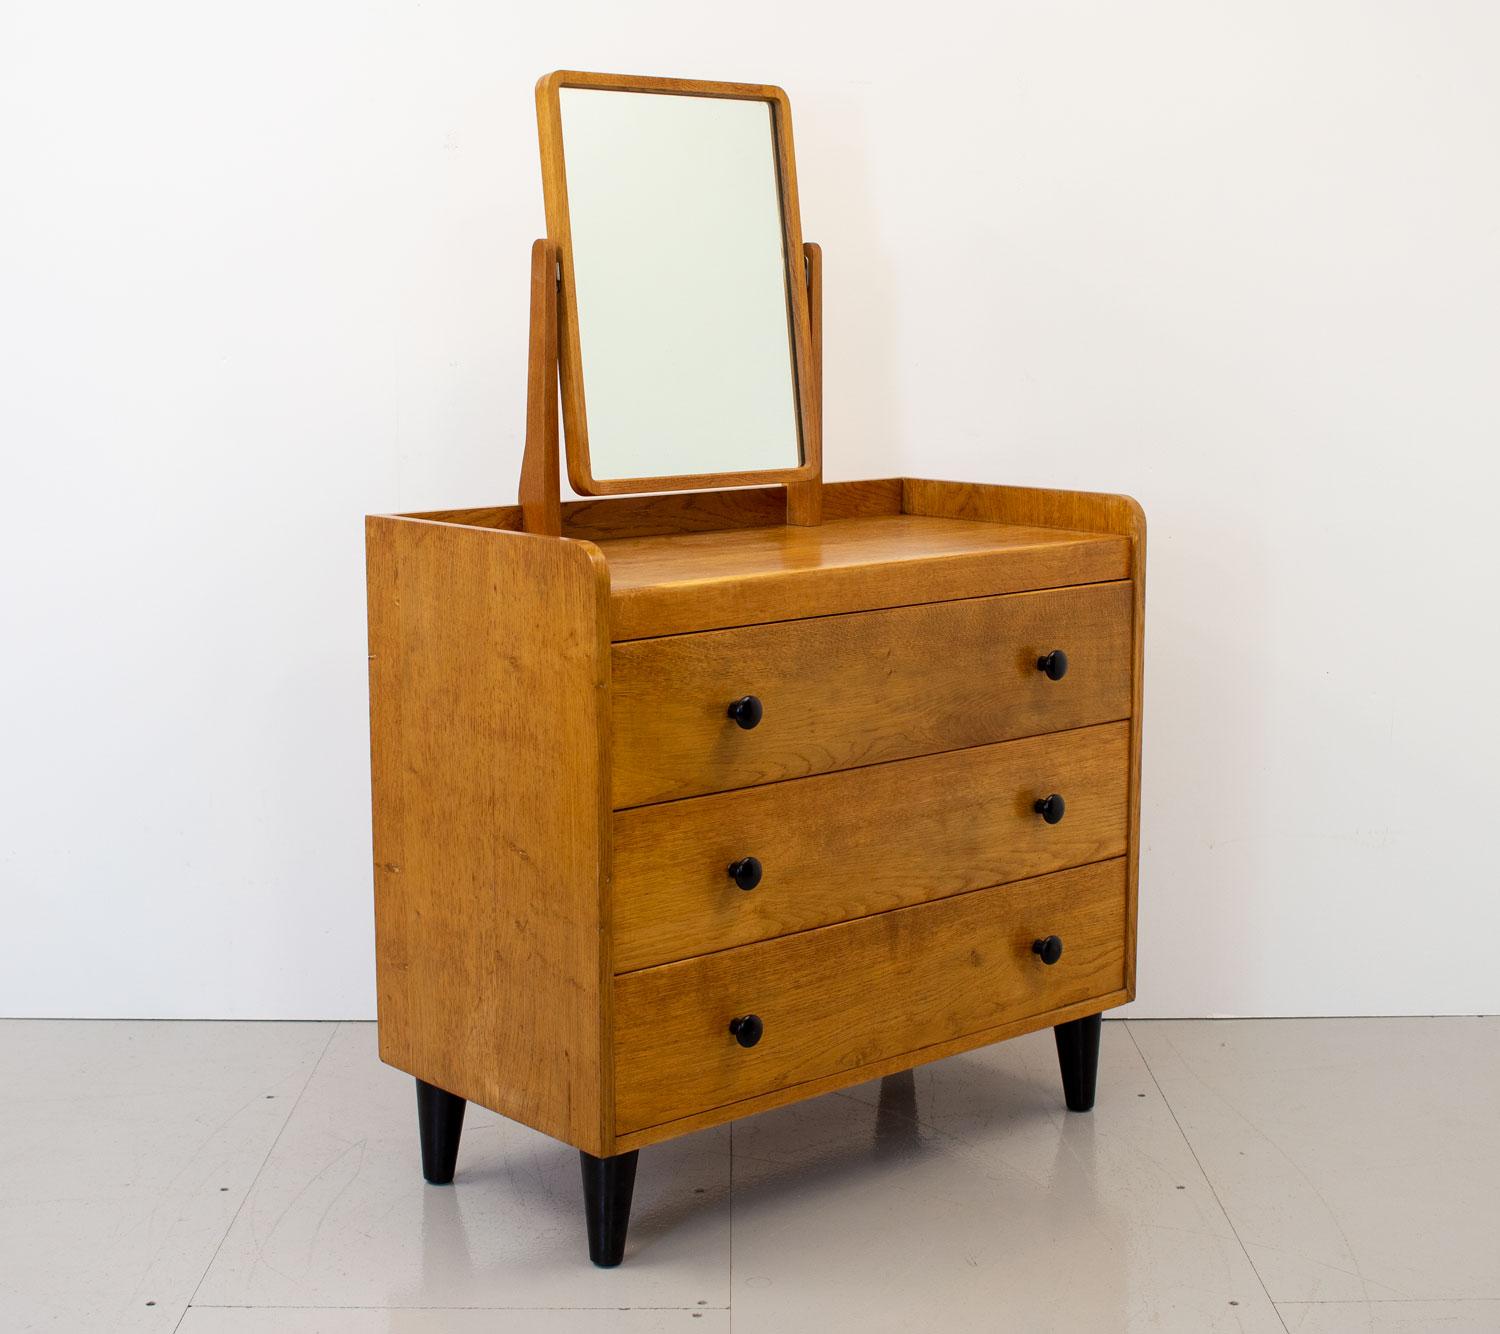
[[703, 581], [540, 489], [574, 966], [813, 1088], [1095, 512], [842, 691], [555, 193], [878, 838], [598, 520], [804, 500], [682, 563], [1090, 511], [489, 720], [425, 1009], [842, 996]]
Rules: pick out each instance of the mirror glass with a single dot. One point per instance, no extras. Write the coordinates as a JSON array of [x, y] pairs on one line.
[[680, 280]]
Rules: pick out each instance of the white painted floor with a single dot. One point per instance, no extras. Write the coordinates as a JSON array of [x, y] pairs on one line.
[[1306, 1176]]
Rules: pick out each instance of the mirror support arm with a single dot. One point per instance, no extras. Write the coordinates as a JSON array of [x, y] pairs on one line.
[[541, 471], [804, 500], [540, 490]]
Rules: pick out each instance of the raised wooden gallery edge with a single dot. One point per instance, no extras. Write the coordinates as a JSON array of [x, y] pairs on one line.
[[683, 563]]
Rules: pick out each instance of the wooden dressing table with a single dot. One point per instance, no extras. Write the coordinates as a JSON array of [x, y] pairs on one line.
[[696, 803]]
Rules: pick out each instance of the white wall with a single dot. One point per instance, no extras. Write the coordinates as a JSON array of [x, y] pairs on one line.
[[263, 270]]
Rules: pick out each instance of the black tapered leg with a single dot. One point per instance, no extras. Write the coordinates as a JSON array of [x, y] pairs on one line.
[[1078, 1055], [896, 1115], [608, 1184], [440, 1121]]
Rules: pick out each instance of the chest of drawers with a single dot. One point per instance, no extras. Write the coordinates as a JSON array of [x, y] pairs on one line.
[[689, 813]]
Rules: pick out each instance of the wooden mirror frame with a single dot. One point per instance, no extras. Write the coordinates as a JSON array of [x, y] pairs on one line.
[[555, 194]]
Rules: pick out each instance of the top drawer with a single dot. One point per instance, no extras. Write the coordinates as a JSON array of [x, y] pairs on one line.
[[841, 691]]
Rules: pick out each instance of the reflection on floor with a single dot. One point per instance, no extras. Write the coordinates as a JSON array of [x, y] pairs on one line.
[[1307, 1176]]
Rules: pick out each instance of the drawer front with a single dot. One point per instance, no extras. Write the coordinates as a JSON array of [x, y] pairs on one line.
[[842, 691], [843, 996], [848, 844]]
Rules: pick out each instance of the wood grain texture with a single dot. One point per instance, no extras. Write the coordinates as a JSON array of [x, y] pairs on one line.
[[495, 968], [540, 488], [861, 500], [685, 511], [691, 582], [833, 848], [559, 230], [843, 996], [675, 512], [489, 719], [841, 691], [1095, 512], [860, 1074], [804, 500], [1085, 511]]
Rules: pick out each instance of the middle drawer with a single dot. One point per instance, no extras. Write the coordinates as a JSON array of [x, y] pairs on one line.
[[862, 841]]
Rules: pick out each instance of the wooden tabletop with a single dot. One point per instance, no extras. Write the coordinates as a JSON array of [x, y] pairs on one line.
[[699, 581]]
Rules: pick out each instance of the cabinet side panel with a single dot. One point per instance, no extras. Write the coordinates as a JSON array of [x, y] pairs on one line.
[[488, 721], [1084, 511]]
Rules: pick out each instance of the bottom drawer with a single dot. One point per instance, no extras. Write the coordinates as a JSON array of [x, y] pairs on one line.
[[842, 996]]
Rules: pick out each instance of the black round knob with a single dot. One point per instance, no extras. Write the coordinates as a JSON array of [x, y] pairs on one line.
[[1051, 809], [1048, 949], [746, 711], [747, 1029], [1055, 664], [745, 872]]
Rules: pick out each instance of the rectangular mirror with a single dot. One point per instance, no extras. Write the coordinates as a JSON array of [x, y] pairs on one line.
[[684, 325]]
